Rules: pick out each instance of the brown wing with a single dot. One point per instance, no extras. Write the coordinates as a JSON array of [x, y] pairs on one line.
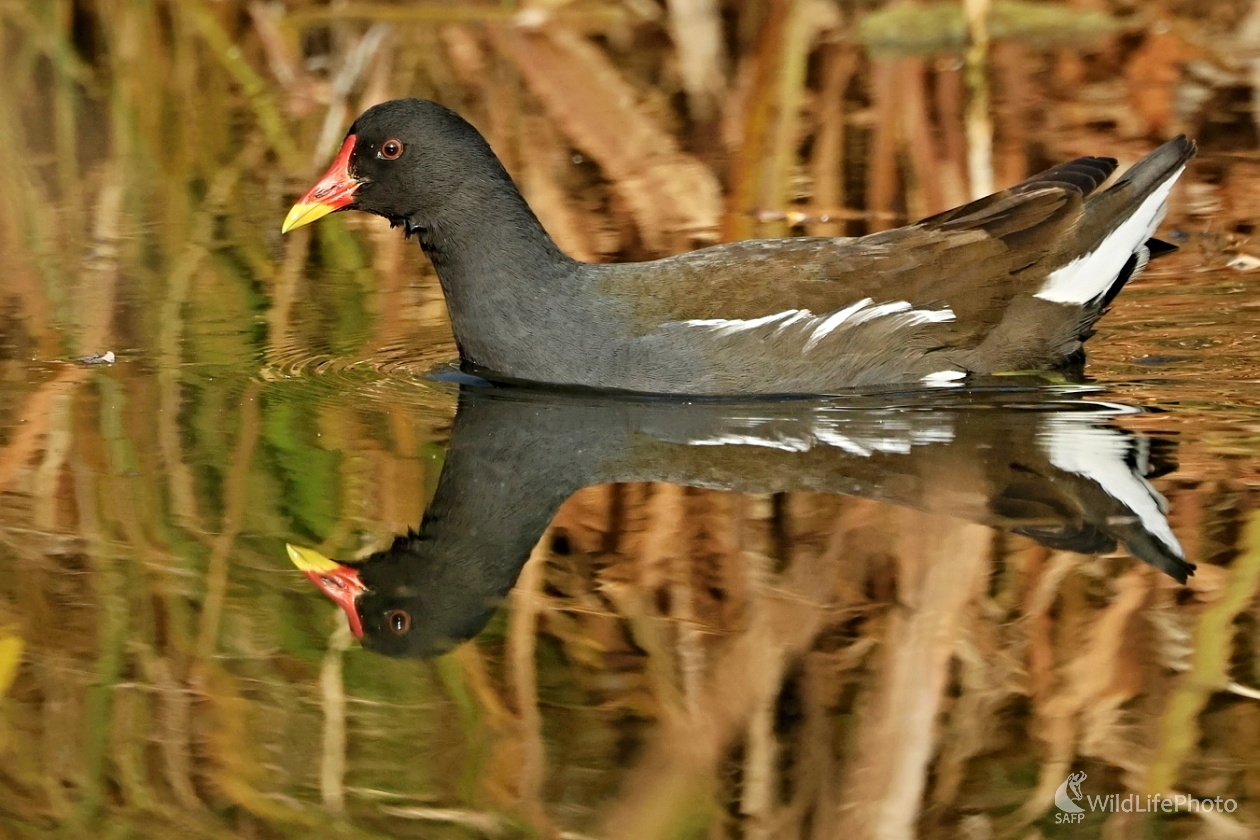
[[973, 259]]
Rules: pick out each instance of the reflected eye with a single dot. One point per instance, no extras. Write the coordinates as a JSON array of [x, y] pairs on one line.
[[390, 150], [398, 621]]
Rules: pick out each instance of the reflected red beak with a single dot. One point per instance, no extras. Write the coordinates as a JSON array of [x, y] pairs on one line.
[[342, 586], [333, 191], [338, 581]]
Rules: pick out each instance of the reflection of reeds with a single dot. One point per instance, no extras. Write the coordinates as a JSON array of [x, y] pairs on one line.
[[979, 122], [674, 660]]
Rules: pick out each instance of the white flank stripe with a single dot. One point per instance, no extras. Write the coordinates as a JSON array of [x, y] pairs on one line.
[[820, 326], [726, 326], [801, 315], [833, 320], [913, 316], [1099, 455], [1089, 275], [862, 311], [932, 316], [881, 310]]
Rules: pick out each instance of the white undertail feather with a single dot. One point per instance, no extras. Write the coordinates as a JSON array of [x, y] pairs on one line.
[[1091, 275]]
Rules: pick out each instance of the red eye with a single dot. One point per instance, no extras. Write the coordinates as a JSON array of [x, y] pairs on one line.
[[398, 621], [391, 150]]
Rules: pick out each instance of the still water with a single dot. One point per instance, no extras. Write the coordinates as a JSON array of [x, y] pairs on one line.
[[889, 614]]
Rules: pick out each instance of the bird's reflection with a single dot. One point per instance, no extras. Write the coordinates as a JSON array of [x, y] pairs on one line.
[[1051, 466]]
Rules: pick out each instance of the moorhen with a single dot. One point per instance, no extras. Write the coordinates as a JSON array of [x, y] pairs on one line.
[[1010, 282], [1046, 465]]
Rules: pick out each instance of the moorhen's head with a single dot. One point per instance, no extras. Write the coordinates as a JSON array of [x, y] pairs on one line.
[[388, 607], [403, 160]]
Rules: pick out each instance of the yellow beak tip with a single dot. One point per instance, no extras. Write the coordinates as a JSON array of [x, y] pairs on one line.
[[308, 559], [304, 213]]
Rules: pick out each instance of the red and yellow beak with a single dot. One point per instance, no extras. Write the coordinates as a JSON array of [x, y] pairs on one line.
[[336, 580], [333, 192]]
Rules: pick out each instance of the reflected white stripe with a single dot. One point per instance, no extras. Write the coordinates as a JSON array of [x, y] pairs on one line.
[[1074, 444], [787, 444], [895, 433]]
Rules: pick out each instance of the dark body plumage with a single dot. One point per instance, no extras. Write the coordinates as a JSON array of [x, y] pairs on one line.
[[1010, 282]]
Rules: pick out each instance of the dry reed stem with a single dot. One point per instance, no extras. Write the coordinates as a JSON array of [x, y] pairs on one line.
[[235, 496], [475, 671], [943, 563], [1014, 112], [176, 741], [695, 27], [925, 193], [760, 776], [57, 444], [527, 603], [94, 317], [184, 266], [37, 419], [566, 224], [97, 294], [257, 92], [753, 125], [598, 15], [1213, 643], [828, 161], [690, 655], [949, 101], [490, 825], [979, 122], [671, 780], [668, 192], [353, 67], [284, 293], [799, 30], [332, 693], [882, 180]]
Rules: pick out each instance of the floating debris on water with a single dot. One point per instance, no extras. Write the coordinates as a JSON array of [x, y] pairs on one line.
[[1244, 262], [106, 358]]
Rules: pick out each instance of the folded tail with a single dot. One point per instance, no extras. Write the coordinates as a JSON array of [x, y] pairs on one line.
[[1114, 235]]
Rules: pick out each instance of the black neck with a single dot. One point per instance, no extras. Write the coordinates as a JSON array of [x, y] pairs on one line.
[[496, 262], [481, 526], [501, 485]]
